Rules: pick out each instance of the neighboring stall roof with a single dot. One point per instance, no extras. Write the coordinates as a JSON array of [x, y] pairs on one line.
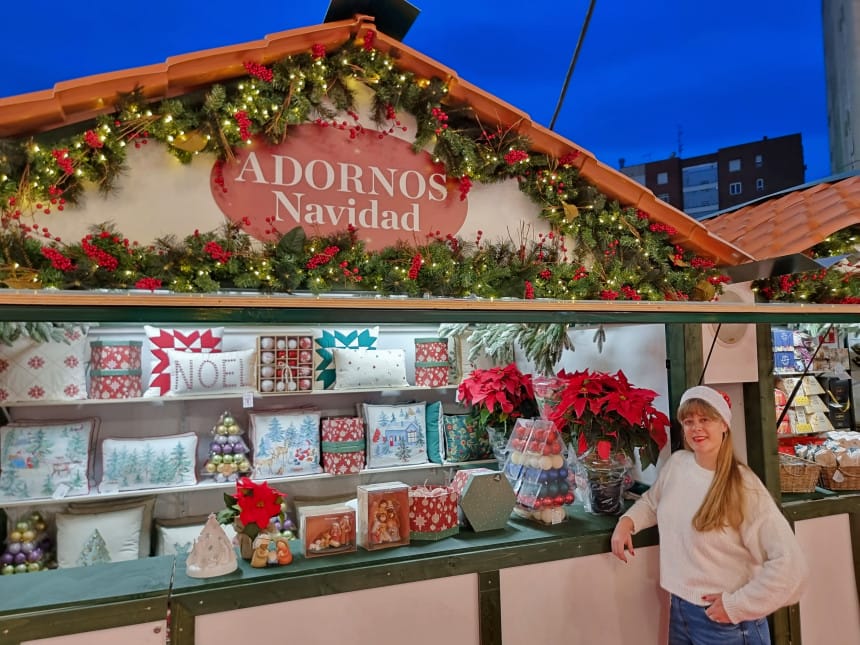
[[794, 220], [82, 99]]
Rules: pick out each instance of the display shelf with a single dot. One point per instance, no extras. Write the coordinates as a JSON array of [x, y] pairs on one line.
[[229, 396], [209, 485]]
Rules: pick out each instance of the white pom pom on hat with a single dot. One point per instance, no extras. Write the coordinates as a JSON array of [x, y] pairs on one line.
[[716, 399]]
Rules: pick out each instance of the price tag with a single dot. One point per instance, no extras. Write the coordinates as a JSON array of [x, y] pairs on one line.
[[60, 491], [248, 399]]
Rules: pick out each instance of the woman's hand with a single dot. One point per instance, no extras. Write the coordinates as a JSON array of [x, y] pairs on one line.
[[716, 611], [622, 538]]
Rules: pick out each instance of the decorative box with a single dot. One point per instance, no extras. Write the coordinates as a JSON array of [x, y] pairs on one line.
[[433, 512], [486, 498], [285, 363], [115, 355], [115, 384], [431, 350], [343, 445], [784, 362], [783, 340], [383, 515], [327, 529], [431, 374]]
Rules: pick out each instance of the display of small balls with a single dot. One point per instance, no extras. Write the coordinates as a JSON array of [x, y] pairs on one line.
[[228, 452], [28, 547], [267, 342], [287, 527]]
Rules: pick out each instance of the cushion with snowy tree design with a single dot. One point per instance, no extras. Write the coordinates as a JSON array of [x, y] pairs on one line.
[[46, 458], [152, 462], [396, 434], [285, 442], [85, 540], [49, 371]]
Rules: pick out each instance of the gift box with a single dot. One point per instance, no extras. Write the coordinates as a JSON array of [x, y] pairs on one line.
[[433, 512], [327, 529], [431, 350], [115, 355], [285, 363], [486, 498], [115, 384], [784, 362], [383, 515], [783, 339], [343, 445], [431, 374]]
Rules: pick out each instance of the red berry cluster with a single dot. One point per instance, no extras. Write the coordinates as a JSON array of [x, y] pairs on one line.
[[369, 38], [702, 263], [216, 252], [723, 279], [659, 227], [465, 185], [218, 172], [478, 236], [611, 249], [61, 156], [530, 291], [93, 140], [640, 214], [630, 293], [354, 130], [55, 197], [352, 274], [546, 274], [449, 239], [148, 283], [515, 156], [323, 258], [318, 51], [415, 266], [580, 273], [678, 256], [244, 123], [259, 71], [441, 119], [139, 138], [99, 256], [569, 158], [58, 260], [608, 294]]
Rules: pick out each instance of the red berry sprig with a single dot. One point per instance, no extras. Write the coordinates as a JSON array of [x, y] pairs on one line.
[[415, 267], [61, 156], [465, 185], [93, 140], [317, 51], [244, 123], [323, 258], [369, 38], [148, 283], [515, 156], [216, 252], [259, 71]]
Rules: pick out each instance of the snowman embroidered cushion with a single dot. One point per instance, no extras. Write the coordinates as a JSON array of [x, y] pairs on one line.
[[45, 459], [49, 371], [362, 368], [155, 462], [159, 340]]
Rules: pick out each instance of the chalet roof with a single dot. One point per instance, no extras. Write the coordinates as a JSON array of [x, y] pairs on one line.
[[792, 221], [82, 99]]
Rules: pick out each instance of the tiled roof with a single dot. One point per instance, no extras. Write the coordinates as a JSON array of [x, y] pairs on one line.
[[792, 222], [82, 99]]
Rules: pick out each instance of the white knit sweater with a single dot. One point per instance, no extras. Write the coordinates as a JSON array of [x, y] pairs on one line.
[[758, 569]]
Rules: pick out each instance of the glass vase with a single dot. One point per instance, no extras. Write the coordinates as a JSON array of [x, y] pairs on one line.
[[601, 482]]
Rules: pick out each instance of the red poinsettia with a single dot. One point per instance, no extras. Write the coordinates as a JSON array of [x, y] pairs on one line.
[[254, 506], [497, 395], [606, 411]]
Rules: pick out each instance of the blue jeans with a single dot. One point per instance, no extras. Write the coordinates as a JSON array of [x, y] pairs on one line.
[[689, 625]]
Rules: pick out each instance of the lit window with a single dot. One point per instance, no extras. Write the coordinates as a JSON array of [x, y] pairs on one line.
[[735, 188], [759, 185], [759, 162], [662, 178], [734, 165]]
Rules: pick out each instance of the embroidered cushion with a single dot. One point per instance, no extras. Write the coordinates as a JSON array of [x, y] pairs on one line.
[[212, 373], [146, 503], [363, 368], [85, 540], [326, 340], [176, 537], [396, 434], [49, 371], [153, 462], [285, 442], [435, 436], [464, 441], [159, 340], [46, 459]]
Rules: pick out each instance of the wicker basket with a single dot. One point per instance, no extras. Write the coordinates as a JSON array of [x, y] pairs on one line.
[[840, 477], [797, 475]]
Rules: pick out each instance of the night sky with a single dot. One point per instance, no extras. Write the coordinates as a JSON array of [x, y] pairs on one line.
[[653, 78]]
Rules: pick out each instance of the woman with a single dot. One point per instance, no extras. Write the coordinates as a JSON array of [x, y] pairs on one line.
[[727, 555]]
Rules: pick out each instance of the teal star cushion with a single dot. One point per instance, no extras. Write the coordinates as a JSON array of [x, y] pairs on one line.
[[326, 340]]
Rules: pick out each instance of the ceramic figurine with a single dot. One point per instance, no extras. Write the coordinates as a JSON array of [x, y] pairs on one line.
[[212, 553]]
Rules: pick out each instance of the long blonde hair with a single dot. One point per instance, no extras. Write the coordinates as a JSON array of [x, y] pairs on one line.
[[724, 502]]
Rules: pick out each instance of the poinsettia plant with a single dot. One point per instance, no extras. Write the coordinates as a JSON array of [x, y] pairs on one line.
[[498, 395], [607, 413], [253, 507]]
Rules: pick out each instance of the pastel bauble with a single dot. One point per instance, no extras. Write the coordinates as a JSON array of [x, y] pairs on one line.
[[267, 385], [281, 386], [305, 384], [267, 357], [267, 371], [556, 461], [545, 463], [292, 343], [516, 457], [533, 461], [291, 386], [267, 342], [282, 344]]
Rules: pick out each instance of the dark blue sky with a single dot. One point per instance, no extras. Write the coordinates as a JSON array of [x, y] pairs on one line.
[[653, 78]]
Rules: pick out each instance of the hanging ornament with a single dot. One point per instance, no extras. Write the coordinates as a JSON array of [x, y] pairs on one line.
[[703, 291], [192, 141], [571, 212]]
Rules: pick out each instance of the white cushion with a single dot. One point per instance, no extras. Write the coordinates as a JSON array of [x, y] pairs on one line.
[[153, 462], [362, 368], [51, 371], [160, 339], [215, 373], [84, 540]]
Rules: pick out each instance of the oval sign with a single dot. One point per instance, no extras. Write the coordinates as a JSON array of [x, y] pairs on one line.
[[323, 180]]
